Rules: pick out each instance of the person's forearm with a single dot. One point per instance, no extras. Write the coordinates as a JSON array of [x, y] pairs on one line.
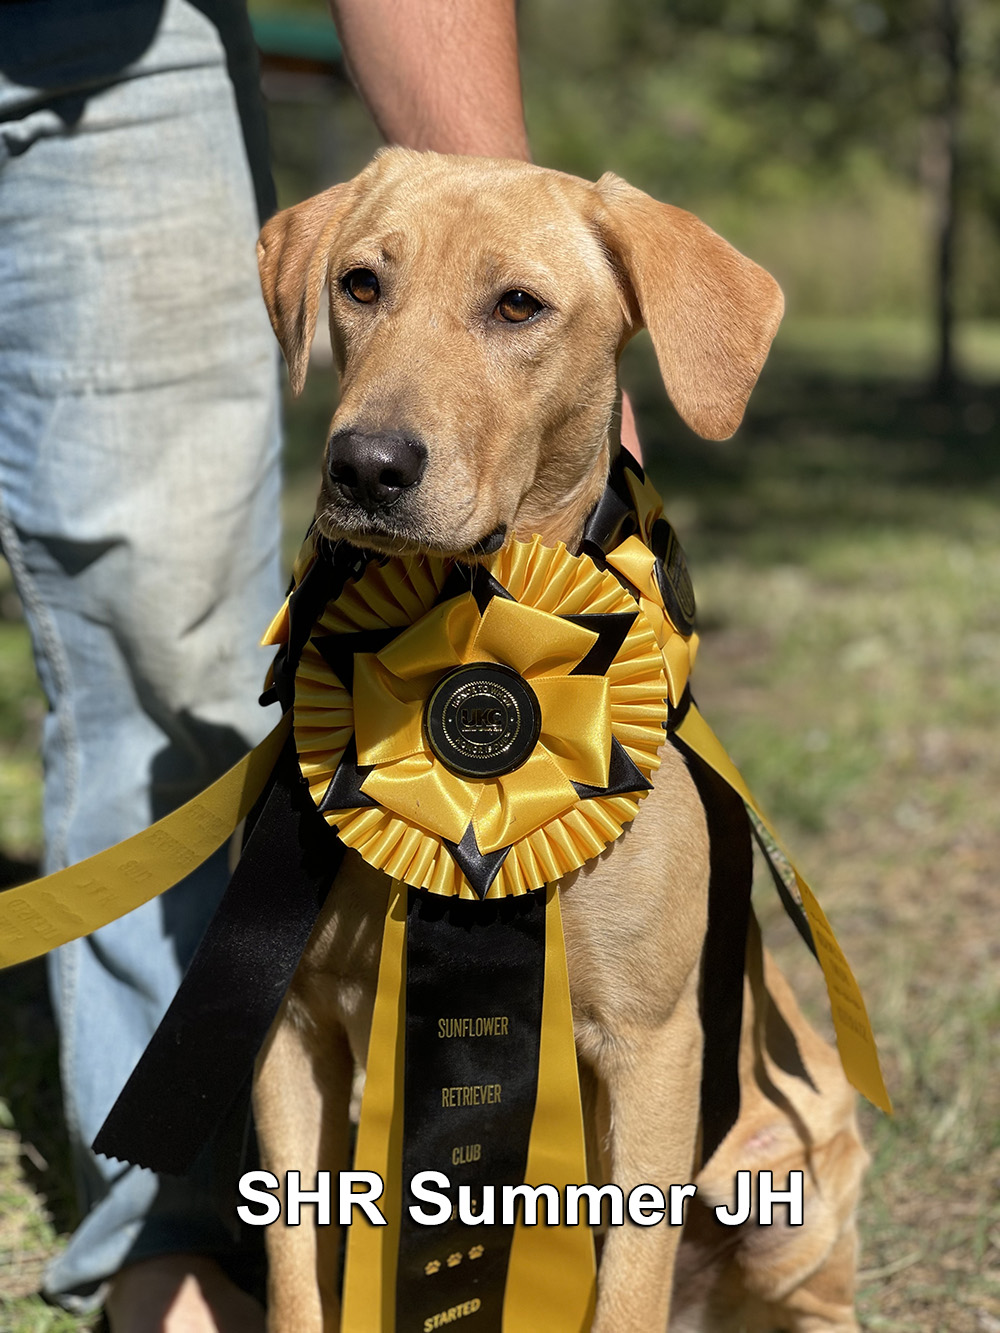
[[438, 74]]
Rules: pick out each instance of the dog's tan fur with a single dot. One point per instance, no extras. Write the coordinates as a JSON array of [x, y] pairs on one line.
[[516, 421]]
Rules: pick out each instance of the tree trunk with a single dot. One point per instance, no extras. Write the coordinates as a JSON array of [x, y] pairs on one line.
[[944, 184]]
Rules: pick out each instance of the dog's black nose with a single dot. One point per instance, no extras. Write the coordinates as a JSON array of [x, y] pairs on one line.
[[374, 470]]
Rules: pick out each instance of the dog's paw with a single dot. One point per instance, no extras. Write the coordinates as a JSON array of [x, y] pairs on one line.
[[476, 1252], [453, 1260], [432, 1267]]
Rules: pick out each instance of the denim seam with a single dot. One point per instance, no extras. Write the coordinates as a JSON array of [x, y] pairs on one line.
[[51, 645]]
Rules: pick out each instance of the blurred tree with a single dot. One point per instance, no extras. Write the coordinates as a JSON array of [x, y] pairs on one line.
[[943, 178], [780, 99], [849, 144]]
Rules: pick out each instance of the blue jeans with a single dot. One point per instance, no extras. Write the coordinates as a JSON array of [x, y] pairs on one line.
[[139, 489]]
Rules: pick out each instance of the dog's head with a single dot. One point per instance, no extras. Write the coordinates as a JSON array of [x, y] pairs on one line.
[[477, 311]]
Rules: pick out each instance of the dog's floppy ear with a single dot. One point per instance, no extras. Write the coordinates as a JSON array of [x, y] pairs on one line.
[[293, 254], [710, 311]]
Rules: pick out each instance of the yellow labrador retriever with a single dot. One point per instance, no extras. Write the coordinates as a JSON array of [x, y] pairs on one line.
[[477, 311]]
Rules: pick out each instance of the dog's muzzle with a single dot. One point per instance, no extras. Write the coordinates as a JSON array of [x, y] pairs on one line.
[[374, 471]]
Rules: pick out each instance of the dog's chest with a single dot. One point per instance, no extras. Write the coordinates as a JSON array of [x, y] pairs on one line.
[[634, 919]]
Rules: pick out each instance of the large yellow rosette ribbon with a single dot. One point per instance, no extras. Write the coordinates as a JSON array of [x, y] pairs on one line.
[[421, 804]]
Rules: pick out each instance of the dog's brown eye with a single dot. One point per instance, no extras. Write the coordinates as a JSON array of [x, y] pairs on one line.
[[361, 285], [516, 307]]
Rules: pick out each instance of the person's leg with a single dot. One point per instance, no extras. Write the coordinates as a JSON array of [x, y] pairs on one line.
[[138, 509]]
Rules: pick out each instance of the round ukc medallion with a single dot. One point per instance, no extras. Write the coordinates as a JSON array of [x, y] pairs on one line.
[[482, 720]]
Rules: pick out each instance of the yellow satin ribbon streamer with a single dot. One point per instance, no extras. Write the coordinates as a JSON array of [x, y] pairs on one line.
[[552, 1279], [552, 1276], [370, 1271], [49, 912], [855, 1039]]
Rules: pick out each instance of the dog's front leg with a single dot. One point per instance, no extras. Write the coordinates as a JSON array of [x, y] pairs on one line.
[[652, 1079], [300, 1108]]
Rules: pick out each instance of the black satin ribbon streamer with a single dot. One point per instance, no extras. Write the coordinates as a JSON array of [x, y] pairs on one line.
[[200, 1056], [730, 882], [794, 910], [474, 979]]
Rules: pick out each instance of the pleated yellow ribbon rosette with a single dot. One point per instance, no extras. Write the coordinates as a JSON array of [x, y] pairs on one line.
[[536, 810]]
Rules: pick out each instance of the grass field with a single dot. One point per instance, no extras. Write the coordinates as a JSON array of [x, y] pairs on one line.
[[846, 553]]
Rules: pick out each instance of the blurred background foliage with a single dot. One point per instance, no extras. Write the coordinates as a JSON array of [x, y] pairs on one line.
[[850, 146]]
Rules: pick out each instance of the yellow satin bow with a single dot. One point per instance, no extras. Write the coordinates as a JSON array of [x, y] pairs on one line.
[[390, 690]]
